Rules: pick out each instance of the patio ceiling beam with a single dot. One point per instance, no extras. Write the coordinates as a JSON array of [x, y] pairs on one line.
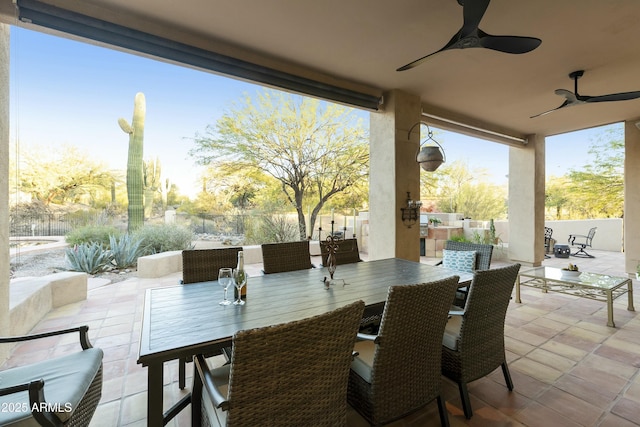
[[468, 126], [48, 16]]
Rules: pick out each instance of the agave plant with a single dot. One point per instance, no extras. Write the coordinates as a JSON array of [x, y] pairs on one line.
[[126, 250], [91, 258]]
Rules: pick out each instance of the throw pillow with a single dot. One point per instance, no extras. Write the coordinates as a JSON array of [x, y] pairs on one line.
[[459, 260]]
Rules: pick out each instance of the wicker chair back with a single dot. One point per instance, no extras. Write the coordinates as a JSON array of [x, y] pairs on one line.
[[288, 256], [287, 375], [347, 253], [483, 252], [406, 371], [202, 265]]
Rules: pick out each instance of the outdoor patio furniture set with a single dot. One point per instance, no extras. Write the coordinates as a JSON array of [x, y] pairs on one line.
[[384, 376]]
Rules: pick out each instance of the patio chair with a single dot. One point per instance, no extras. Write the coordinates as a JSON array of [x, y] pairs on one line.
[[582, 242], [202, 265], [347, 252], [463, 261], [399, 370], [281, 375], [287, 256], [62, 391], [473, 341], [548, 232]]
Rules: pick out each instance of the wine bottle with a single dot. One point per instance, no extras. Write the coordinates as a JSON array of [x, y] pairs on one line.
[[242, 276]]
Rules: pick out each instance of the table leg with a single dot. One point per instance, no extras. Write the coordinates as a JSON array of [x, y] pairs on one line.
[[630, 296], [518, 289], [610, 322], [155, 415]]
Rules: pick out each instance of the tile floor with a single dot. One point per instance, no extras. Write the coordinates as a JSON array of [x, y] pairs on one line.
[[568, 367]]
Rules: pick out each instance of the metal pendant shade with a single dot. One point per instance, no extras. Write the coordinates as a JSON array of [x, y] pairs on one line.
[[429, 157]]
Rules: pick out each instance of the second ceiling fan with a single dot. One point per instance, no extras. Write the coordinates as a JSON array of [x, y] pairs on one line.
[[574, 98], [471, 36]]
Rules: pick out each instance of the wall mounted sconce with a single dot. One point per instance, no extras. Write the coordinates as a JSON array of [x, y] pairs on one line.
[[411, 212], [430, 157]]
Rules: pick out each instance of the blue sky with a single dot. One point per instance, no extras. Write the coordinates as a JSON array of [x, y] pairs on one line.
[[67, 92]]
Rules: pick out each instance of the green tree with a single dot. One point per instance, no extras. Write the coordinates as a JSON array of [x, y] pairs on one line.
[[456, 188], [315, 150], [54, 174], [597, 191]]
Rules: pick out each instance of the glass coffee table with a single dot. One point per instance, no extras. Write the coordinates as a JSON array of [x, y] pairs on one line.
[[599, 287]]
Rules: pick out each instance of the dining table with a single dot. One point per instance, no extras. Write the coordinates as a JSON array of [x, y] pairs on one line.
[[185, 320]]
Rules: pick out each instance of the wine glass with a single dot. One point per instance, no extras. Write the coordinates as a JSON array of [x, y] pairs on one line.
[[239, 279], [225, 277]]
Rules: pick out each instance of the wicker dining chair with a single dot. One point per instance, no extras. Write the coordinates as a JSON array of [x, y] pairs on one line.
[[202, 265], [61, 391], [483, 252], [398, 371], [473, 342], [287, 256], [347, 253], [283, 375]]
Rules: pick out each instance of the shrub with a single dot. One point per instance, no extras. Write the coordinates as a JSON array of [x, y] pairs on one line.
[[91, 258], [92, 234], [164, 237], [125, 251], [274, 229]]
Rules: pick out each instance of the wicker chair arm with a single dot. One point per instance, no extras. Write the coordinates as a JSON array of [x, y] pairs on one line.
[[82, 330], [207, 382], [366, 337]]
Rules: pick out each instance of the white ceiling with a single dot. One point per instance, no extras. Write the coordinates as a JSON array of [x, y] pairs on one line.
[[360, 43]]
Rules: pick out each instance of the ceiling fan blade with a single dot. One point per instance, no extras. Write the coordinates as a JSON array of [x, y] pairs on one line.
[[472, 11], [419, 61], [622, 96], [508, 44], [564, 104], [572, 98]]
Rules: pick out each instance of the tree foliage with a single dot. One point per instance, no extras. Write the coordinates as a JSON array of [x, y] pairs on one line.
[[53, 174], [313, 149], [595, 191], [456, 188]]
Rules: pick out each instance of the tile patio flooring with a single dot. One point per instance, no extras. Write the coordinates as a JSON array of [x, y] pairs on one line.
[[568, 367]]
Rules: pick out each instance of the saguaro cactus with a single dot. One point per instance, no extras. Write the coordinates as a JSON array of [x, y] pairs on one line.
[[152, 184], [135, 172]]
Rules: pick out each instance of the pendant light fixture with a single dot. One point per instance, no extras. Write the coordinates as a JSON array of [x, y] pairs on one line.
[[430, 157]]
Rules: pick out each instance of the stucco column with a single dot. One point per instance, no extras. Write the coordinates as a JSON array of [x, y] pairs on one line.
[[393, 173], [4, 187], [526, 201], [631, 195]]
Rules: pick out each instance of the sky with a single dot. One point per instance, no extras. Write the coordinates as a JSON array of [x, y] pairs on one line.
[[69, 92]]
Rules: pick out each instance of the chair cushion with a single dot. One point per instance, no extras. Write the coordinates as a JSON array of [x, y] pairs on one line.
[[66, 381], [452, 333], [459, 260], [363, 363]]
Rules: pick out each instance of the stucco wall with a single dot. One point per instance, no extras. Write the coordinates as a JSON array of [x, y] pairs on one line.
[[4, 187]]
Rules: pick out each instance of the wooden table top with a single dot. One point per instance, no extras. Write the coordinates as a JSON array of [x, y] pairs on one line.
[[184, 320]]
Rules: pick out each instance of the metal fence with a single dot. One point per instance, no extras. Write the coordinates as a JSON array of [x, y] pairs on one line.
[[49, 224]]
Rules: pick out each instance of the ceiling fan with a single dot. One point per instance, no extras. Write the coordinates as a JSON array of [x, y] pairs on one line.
[[471, 36], [573, 98]]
